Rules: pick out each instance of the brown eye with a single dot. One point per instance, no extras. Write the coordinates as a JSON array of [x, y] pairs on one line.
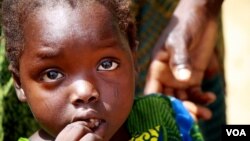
[[52, 75], [107, 65]]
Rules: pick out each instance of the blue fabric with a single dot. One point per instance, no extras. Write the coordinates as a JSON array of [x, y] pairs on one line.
[[183, 119]]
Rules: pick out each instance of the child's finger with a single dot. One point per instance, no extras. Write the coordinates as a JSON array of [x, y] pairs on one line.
[[91, 137], [74, 131]]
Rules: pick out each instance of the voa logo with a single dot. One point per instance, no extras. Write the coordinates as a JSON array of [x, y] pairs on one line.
[[236, 132]]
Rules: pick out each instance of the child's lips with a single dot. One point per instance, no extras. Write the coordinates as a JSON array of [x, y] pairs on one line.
[[94, 123], [91, 123]]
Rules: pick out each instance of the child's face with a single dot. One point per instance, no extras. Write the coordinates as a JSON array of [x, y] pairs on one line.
[[77, 66]]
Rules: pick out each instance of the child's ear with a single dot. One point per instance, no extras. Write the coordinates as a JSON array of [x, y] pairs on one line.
[[17, 84], [20, 93]]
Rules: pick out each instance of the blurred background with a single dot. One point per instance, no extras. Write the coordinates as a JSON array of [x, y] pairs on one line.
[[236, 26]]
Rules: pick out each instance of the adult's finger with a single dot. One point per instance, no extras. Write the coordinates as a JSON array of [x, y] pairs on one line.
[[201, 55], [168, 91], [152, 86], [179, 58], [181, 94], [196, 95], [198, 111], [160, 77]]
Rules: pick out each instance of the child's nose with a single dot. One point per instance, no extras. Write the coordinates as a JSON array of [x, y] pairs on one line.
[[83, 92]]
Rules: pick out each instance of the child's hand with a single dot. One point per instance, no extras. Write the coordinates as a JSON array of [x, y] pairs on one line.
[[78, 131]]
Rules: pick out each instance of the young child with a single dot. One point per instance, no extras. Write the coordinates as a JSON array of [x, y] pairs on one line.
[[73, 62]]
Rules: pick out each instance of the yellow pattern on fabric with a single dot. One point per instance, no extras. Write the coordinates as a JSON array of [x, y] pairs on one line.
[[150, 135]]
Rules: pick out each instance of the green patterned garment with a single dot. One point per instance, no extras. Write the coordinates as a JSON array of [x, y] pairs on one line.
[[153, 119]]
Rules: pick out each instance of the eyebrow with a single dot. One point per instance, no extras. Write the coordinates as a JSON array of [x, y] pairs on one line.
[[47, 52], [111, 43]]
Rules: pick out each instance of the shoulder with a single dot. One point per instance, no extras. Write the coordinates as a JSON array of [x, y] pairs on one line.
[[164, 116], [152, 104], [152, 99], [154, 107], [153, 113]]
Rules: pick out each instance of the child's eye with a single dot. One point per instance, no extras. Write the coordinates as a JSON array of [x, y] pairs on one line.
[[51, 75], [107, 65]]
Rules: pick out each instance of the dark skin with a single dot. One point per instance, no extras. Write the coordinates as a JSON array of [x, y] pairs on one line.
[[69, 70], [184, 55]]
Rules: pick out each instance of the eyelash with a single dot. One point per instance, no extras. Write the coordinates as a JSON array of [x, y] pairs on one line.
[[45, 76], [114, 65], [52, 75]]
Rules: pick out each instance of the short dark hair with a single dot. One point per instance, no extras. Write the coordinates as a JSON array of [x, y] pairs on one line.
[[15, 13]]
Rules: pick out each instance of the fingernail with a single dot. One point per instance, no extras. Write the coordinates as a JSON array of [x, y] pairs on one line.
[[182, 72]]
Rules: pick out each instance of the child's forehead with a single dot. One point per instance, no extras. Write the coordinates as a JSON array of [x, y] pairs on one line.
[[62, 26], [60, 11], [56, 22]]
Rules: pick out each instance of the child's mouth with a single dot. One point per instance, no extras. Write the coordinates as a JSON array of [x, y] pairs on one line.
[[91, 120], [93, 123]]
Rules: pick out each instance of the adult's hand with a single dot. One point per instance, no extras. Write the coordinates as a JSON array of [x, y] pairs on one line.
[[183, 53]]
